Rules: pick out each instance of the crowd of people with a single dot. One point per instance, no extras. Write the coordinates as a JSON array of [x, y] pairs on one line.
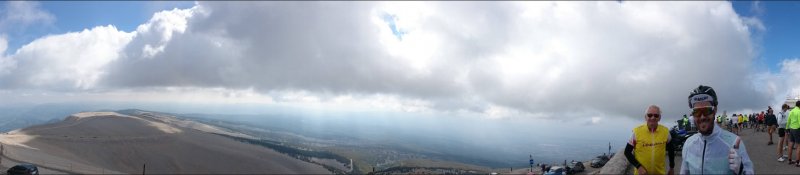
[[717, 148], [765, 121]]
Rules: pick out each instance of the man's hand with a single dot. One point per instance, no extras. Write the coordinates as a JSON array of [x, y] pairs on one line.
[[641, 170], [734, 160]]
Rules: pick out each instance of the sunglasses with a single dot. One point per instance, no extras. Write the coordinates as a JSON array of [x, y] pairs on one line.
[[704, 111], [653, 115]]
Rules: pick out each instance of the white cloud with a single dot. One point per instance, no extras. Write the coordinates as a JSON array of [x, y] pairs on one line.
[[6, 64], [594, 120], [74, 60], [790, 74], [493, 58], [18, 15], [153, 36]]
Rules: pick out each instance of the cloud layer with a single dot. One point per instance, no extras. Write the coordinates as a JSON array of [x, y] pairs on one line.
[[550, 59]]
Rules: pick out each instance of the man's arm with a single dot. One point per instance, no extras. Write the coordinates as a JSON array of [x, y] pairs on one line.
[[671, 151], [747, 165], [788, 119], [630, 157], [684, 163]]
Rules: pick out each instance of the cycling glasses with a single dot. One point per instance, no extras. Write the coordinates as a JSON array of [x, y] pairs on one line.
[[703, 111]]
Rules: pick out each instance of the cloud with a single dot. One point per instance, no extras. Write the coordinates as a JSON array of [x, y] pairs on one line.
[[18, 15], [494, 58], [5, 64], [71, 61], [757, 8], [790, 74], [593, 121]]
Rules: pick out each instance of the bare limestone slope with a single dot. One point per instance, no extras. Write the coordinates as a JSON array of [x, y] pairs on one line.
[[109, 142]]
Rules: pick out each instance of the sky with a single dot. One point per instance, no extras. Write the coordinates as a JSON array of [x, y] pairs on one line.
[[591, 61]]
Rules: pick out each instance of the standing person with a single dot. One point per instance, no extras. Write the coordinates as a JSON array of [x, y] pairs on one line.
[[782, 131], [746, 122], [685, 123], [772, 123], [648, 144], [757, 122], [735, 124], [543, 168], [793, 124], [762, 124], [724, 118], [713, 151], [730, 123], [741, 122]]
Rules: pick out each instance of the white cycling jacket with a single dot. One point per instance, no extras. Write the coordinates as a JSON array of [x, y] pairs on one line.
[[709, 154]]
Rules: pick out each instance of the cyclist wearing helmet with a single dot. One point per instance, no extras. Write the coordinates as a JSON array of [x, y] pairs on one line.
[[714, 150]]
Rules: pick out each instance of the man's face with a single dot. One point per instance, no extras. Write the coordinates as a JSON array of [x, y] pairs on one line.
[[704, 114], [653, 116]]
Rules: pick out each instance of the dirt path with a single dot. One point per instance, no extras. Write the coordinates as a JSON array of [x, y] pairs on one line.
[[8, 163]]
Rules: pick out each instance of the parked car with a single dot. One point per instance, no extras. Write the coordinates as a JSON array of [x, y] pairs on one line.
[[575, 167], [555, 170], [599, 161], [26, 169]]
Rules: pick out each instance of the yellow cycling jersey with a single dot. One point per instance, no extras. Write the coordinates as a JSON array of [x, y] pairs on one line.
[[650, 148]]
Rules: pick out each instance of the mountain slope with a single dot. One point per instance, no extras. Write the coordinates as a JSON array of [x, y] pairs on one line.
[[103, 142]]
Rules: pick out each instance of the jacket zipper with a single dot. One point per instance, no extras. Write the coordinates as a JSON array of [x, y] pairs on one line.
[[703, 158]]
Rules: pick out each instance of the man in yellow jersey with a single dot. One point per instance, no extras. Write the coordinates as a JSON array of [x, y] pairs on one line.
[[645, 149]]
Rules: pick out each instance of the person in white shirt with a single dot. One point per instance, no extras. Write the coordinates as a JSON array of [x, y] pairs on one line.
[[782, 116]]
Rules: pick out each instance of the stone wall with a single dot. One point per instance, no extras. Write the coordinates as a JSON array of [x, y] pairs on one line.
[[617, 165]]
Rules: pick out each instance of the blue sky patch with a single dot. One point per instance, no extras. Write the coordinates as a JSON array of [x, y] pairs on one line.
[[390, 20]]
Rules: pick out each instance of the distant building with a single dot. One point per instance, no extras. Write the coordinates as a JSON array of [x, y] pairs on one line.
[[790, 101]]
